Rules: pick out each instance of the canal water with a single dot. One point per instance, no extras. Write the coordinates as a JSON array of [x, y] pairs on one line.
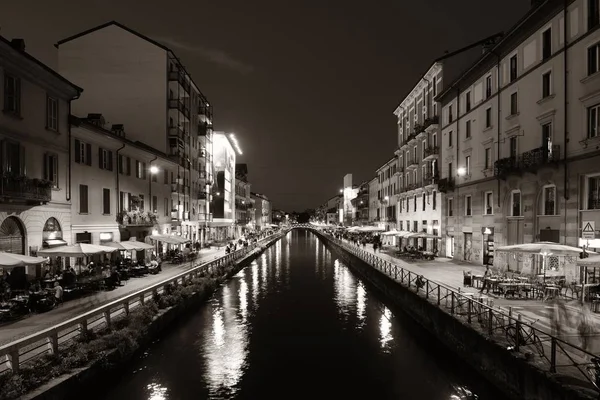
[[297, 324]]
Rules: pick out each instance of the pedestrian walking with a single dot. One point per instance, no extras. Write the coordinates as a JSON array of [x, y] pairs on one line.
[[486, 280]]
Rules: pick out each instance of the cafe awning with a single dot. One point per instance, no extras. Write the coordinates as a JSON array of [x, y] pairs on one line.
[[169, 239]]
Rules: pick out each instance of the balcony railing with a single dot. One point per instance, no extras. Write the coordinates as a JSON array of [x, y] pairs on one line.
[[24, 189], [431, 151], [176, 76], [179, 105], [446, 185], [530, 161], [430, 178], [412, 164], [137, 218], [411, 186]]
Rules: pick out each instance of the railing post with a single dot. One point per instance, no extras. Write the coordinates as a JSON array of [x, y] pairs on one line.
[[438, 295], [427, 288], [553, 354], [469, 309], [490, 321], [107, 317], [52, 341], [518, 334], [12, 360], [142, 299], [126, 307], [452, 303], [83, 327]]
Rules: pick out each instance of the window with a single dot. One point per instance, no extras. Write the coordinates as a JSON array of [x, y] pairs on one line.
[[140, 170], [488, 158], [450, 138], [141, 202], [488, 200], [166, 176], [549, 200], [546, 84], [488, 117], [513, 68], [468, 164], [51, 168], [423, 201], [547, 44], [593, 119], [593, 13], [512, 143], [514, 106], [415, 203], [547, 137], [450, 211], [106, 201], [52, 113], [12, 94], [423, 148], [83, 199], [468, 210], [83, 152], [434, 84], [593, 61], [434, 142], [593, 193], [155, 204], [450, 116], [105, 159], [515, 203], [468, 101], [488, 86], [468, 130], [434, 200]]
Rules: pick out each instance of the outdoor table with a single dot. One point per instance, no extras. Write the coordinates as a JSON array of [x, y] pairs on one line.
[[477, 279], [551, 292]]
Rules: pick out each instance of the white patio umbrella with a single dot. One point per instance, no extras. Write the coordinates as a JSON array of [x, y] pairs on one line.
[[19, 260], [76, 250], [130, 245], [393, 232]]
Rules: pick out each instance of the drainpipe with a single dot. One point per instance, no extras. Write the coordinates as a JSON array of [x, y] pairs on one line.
[[566, 117], [499, 117], [118, 191]]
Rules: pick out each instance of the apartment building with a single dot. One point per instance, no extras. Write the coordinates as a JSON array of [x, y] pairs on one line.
[[34, 139], [223, 205], [360, 205], [519, 134], [387, 194], [419, 200], [374, 200], [121, 189], [135, 81], [244, 215], [262, 207]]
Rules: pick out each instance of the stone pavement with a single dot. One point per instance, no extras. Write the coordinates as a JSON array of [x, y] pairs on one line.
[[72, 308], [450, 273]]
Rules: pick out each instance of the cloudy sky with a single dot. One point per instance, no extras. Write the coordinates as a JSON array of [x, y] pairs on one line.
[[309, 87]]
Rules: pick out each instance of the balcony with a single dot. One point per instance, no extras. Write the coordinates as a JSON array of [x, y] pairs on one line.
[[411, 164], [21, 189], [530, 161], [431, 152], [431, 124], [137, 218], [201, 153], [204, 128], [411, 186], [176, 104], [430, 179], [399, 171], [446, 185], [175, 76], [178, 133], [201, 195]]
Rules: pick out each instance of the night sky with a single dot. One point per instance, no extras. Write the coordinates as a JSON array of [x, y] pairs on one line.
[[309, 89]]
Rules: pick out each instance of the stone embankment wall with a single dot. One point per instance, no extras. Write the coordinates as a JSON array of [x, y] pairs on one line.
[[510, 372]]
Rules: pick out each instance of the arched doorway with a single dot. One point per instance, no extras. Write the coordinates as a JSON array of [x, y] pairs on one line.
[[12, 236], [52, 234]]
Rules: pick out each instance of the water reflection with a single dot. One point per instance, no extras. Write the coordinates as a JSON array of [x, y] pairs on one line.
[[361, 304], [256, 286], [344, 288], [385, 328], [156, 391], [243, 293]]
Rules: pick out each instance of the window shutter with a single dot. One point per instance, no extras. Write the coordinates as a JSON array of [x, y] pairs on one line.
[[46, 174], [88, 151], [110, 161], [143, 170], [77, 151], [55, 170], [100, 157]]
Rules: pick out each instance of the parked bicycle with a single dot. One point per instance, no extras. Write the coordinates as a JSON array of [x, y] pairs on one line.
[[526, 336]]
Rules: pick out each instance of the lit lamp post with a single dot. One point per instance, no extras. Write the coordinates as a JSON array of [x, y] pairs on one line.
[[153, 171], [461, 171]]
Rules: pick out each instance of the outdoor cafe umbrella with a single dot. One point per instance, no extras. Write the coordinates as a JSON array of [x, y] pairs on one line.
[[19, 260], [130, 245], [76, 250], [545, 249]]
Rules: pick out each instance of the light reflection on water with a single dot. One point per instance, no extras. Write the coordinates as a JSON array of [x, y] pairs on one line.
[[261, 328]]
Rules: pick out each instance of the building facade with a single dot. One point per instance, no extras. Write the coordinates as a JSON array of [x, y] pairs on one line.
[[156, 101], [361, 205], [416, 191], [374, 200], [223, 195], [34, 136], [120, 189], [244, 214], [387, 194], [524, 120], [262, 211]]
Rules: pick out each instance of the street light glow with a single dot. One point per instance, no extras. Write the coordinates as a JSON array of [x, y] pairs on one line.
[[154, 169], [236, 145], [461, 171]]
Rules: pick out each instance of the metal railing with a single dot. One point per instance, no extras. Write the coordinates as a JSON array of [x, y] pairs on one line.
[[549, 353], [56, 339]]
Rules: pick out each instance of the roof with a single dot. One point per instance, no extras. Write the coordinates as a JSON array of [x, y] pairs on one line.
[[391, 160], [31, 58], [537, 14], [83, 122], [133, 32]]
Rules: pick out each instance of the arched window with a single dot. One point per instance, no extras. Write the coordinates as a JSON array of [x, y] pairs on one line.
[[12, 236], [52, 234], [52, 225], [548, 200], [515, 203]]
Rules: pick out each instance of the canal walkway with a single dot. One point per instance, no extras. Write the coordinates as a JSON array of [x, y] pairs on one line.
[[69, 309], [537, 312]]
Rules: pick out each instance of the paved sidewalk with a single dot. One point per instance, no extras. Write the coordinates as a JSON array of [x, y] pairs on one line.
[[72, 308], [450, 273]]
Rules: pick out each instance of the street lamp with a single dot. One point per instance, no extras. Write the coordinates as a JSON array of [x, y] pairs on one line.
[[153, 171], [462, 171]]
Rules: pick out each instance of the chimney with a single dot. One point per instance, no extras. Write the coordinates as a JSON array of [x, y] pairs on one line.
[[118, 129], [18, 44], [96, 119]]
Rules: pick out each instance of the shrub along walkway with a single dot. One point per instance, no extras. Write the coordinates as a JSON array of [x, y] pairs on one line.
[[71, 308], [450, 273]]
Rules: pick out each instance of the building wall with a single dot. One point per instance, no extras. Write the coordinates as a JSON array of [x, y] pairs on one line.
[[387, 194], [373, 200], [125, 79]]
